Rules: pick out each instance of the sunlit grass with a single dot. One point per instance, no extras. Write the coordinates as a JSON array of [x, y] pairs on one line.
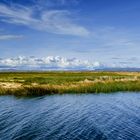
[[41, 83]]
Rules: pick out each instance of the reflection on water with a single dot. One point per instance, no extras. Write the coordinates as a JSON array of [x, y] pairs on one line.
[[71, 117]]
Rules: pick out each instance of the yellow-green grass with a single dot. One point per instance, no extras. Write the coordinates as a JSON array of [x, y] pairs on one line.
[[42, 83]]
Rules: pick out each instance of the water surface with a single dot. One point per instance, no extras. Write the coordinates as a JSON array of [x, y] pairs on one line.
[[71, 117]]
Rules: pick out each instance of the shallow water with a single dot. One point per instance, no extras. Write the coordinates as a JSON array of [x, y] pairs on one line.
[[71, 117]]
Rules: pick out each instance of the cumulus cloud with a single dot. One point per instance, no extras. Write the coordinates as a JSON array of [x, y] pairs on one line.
[[57, 63], [53, 21], [47, 63]]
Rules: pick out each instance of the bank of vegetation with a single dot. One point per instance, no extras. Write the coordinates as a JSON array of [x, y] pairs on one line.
[[42, 83]]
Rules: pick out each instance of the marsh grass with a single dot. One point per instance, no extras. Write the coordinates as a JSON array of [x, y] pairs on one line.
[[37, 84]]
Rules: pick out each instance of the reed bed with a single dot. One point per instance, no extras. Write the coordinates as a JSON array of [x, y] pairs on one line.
[[42, 83]]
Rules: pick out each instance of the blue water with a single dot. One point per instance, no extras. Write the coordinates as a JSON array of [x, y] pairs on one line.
[[71, 117]]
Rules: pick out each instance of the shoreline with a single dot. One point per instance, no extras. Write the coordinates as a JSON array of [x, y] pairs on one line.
[[48, 83]]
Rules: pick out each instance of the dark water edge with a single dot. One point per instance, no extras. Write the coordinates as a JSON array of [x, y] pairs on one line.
[[71, 117]]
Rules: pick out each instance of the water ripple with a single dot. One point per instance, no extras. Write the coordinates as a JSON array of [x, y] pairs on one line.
[[71, 117]]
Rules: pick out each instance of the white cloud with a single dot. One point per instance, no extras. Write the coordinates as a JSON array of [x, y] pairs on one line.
[[8, 37], [47, 63], [54, 3], [58, 63], [54, 21], [65, 2]]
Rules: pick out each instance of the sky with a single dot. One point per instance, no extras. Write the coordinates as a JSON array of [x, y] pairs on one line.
[[69, 33]]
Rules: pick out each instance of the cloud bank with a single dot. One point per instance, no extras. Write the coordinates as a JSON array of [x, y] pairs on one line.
[[46, 63], [32, 63]]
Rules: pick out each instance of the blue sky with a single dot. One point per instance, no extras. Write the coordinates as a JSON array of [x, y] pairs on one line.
[[97, 31]]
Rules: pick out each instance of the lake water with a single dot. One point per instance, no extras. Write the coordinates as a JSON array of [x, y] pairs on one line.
[[71, 117]]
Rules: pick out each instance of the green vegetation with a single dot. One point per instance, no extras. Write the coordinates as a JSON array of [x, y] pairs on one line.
[[41, 83]]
